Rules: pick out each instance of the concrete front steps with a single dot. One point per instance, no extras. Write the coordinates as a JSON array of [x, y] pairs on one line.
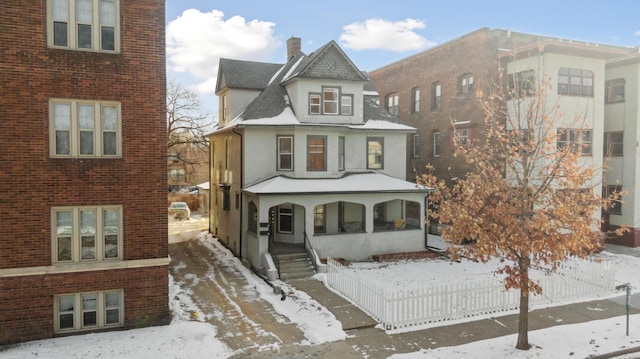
[[295, 266]]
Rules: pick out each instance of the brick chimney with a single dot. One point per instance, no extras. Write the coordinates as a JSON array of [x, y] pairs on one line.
[[294, 47]]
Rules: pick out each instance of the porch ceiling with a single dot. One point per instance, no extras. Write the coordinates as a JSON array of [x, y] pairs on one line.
[[349, 183]]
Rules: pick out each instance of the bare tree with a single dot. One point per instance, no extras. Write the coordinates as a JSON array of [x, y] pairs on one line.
[[528, 201], [187, 148]]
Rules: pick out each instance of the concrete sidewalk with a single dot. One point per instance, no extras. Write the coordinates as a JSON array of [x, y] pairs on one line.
[[372, 342]]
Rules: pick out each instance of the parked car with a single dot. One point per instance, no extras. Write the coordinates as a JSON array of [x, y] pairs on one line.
[[180, 210]]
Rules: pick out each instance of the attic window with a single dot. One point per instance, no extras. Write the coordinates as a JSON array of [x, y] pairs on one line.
[[346, 105], [314, 104], [330, 102]]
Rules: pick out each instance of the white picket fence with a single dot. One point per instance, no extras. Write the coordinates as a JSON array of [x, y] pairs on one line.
[[435, 302]]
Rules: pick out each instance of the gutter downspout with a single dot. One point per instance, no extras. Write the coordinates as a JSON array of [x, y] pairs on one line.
[[241, 186]]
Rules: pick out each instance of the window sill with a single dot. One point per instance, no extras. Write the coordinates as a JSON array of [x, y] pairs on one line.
[[84, 267]]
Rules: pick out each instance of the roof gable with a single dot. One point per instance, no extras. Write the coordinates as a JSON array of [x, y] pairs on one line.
[[329, 62]]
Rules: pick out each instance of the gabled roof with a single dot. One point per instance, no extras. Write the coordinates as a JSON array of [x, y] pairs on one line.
[[249, 75], [328, 62], [272, 105]]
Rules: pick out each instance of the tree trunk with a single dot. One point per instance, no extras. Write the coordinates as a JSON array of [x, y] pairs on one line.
[[523, 318]]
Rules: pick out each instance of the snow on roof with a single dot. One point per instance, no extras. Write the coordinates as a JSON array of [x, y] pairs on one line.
[[286, 117], [384, 125], [356, 182], [275, 75], [292, 69]]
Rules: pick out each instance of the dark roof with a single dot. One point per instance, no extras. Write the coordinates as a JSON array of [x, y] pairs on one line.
[[312, 66], [369, 86], [373, 111], [270, 80], [239, 74], [271, 102]]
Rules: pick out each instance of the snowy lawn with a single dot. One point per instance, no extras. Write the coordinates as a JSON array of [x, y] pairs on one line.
[[189, 337], [410, 273], [561, 342]]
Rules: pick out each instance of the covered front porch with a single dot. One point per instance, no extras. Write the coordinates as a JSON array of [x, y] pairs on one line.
[[349, 224]]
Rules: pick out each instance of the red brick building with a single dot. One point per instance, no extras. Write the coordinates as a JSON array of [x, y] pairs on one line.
[[436, 88], [83, 181], [437, 92]]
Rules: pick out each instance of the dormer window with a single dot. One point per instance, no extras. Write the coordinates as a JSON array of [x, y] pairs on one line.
[[330, 102], [346, 105], [314, 104]]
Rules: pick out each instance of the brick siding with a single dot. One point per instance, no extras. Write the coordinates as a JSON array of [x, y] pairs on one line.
[[31, 182], [28, 307], [473, 53]]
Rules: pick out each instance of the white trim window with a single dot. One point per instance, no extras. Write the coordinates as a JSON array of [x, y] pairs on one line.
[[314, 104], [436, 144], [346, 105], [92, 25], [86, 234], [416, 145], [87, 311], [285, 153], [84, 128], [375, 153], [330, 96], [330, 102], [415, 100]]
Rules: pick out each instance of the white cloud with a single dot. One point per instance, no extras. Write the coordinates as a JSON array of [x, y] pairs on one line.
[[384, 35], [637, 33], [196, 41]]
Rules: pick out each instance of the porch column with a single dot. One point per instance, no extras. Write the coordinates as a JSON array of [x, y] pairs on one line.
[[368, 216]]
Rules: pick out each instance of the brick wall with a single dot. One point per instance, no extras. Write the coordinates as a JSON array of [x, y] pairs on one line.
[[473, 53], [31, 182], [28, 302]]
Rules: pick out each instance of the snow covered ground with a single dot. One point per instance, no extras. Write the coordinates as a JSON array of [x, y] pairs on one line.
[[188, 336]]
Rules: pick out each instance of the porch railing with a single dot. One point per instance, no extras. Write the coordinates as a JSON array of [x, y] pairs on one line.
[[311, 252]]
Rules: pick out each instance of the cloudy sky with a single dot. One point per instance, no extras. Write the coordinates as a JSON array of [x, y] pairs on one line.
[[372, 33]]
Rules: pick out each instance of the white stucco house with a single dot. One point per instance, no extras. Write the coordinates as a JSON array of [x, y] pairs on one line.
[[304, 159], [599, 83]]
